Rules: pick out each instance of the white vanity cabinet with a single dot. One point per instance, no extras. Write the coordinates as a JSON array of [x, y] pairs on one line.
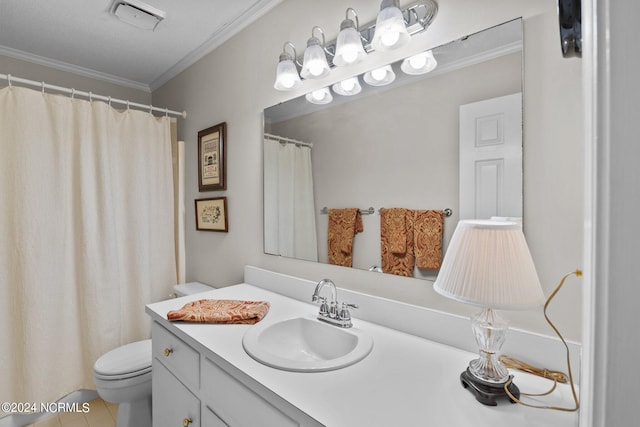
[[208, 378], [192, 388]]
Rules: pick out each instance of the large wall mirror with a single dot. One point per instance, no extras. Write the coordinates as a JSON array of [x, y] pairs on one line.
[[397, 145]]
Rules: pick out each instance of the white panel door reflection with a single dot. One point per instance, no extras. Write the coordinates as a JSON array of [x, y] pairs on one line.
[[491, 158]]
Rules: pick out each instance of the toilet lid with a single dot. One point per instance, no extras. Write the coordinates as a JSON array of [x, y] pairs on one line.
[[126, 361]]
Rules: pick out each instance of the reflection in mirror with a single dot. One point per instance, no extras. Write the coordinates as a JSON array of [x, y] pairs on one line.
[[398, 146]]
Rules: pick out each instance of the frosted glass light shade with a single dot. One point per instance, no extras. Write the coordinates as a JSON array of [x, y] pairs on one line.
[[489, 264], [348, 87], [314, 65], [421, 63], [320, 96], [349, 49], [287, 77], [380, 76], [391, 30]]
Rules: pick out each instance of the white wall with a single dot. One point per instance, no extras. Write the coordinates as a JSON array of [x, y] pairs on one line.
[[32, 71], [235, 83]]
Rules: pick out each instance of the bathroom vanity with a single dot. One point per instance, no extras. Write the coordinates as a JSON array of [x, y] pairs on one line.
[[202, 376]]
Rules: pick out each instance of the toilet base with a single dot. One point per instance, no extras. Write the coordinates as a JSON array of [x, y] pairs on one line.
[[134, 414]]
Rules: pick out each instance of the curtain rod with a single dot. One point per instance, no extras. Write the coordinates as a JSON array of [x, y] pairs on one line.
[[12, 79], [289, 140]]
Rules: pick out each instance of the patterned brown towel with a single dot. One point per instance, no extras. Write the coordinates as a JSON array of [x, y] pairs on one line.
[[427, 238], [396, 241], [343, 226], [221, 311]]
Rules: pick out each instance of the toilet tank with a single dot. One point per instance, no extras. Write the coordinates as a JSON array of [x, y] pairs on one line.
[[190, 288]]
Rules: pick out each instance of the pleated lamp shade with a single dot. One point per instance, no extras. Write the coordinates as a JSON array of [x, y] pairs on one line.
[[488, 264]]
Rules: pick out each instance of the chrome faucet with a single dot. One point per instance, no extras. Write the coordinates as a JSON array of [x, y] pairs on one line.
[[329, 312]]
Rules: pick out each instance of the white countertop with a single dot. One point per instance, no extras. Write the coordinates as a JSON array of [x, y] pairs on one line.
[[405, 380]]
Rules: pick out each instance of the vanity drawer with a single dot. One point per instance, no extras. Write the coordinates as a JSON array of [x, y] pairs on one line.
[[230, 399], [181, 359]]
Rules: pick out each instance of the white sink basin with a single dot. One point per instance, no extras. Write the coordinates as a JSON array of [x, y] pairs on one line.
[[305, 344]]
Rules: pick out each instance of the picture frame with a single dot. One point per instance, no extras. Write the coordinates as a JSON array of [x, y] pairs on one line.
[[211, 214], [212, 158]]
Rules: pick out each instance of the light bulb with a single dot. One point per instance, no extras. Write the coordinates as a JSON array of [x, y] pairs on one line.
[[287, 82], [316, 68], [318, 95], [348, 84], [390, 38], [418, 61], [349, 55], [379, 74]]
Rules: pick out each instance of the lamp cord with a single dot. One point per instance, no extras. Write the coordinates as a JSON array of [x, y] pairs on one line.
[[556, 376]]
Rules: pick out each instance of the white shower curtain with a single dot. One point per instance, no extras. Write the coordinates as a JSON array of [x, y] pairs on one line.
[[87, 237], [289, 213]]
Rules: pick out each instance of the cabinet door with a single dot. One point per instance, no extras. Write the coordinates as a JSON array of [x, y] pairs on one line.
[[240, 406], [210, 419], [173, 403]]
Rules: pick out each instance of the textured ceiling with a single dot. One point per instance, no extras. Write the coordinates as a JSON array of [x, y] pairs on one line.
[[83, 36]]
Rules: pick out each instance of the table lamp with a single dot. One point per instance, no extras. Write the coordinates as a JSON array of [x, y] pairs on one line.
[[488, 264]]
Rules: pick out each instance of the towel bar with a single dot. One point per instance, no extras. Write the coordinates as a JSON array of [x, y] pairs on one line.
[[369, 211]]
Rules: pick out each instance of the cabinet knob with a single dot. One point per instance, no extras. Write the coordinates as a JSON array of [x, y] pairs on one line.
[[167, 352], [186, 422]]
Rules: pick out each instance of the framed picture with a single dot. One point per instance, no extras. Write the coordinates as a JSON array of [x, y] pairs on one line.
[[211, 214], [212, 158]]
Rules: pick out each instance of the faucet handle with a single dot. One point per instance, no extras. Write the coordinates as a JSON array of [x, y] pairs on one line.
[[324, 307], [344, 311]]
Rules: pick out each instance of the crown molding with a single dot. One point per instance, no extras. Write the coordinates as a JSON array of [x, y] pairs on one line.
[[70, 68]]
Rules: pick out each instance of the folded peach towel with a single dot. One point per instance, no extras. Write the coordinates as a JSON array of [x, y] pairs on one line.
[[343, 226], [396, 241], [221, 311], [427, 238]]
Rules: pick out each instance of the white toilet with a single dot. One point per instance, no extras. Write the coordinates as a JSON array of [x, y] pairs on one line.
[[123, 375]]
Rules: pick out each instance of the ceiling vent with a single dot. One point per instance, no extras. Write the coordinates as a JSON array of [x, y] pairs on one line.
[[137, 13]]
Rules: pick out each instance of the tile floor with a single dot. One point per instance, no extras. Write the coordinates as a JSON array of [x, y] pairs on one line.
[[101, 414]]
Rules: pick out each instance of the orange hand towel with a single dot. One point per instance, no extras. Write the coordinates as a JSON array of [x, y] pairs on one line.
[[343, 226], [396, 241], [221, 311], [427, 236]]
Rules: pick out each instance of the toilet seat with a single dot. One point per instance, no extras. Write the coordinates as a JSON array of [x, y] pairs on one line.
[[128, 361]]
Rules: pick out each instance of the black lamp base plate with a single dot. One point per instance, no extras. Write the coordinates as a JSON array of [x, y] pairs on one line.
[[485, 392]]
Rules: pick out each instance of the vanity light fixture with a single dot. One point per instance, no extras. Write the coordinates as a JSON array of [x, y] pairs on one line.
[[421, 63], [391, 29], [414, 18], [488, 264], [315, 65], [320, 96], [380, 76], [287, 77], [349, 49], [347, 87]]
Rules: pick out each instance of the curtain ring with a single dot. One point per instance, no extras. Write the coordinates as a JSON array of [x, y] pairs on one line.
[[150, 108], [9, 80], [73, 93], [127, 105], [109, 100], [166, 112], [42, 88], [90, 97]]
